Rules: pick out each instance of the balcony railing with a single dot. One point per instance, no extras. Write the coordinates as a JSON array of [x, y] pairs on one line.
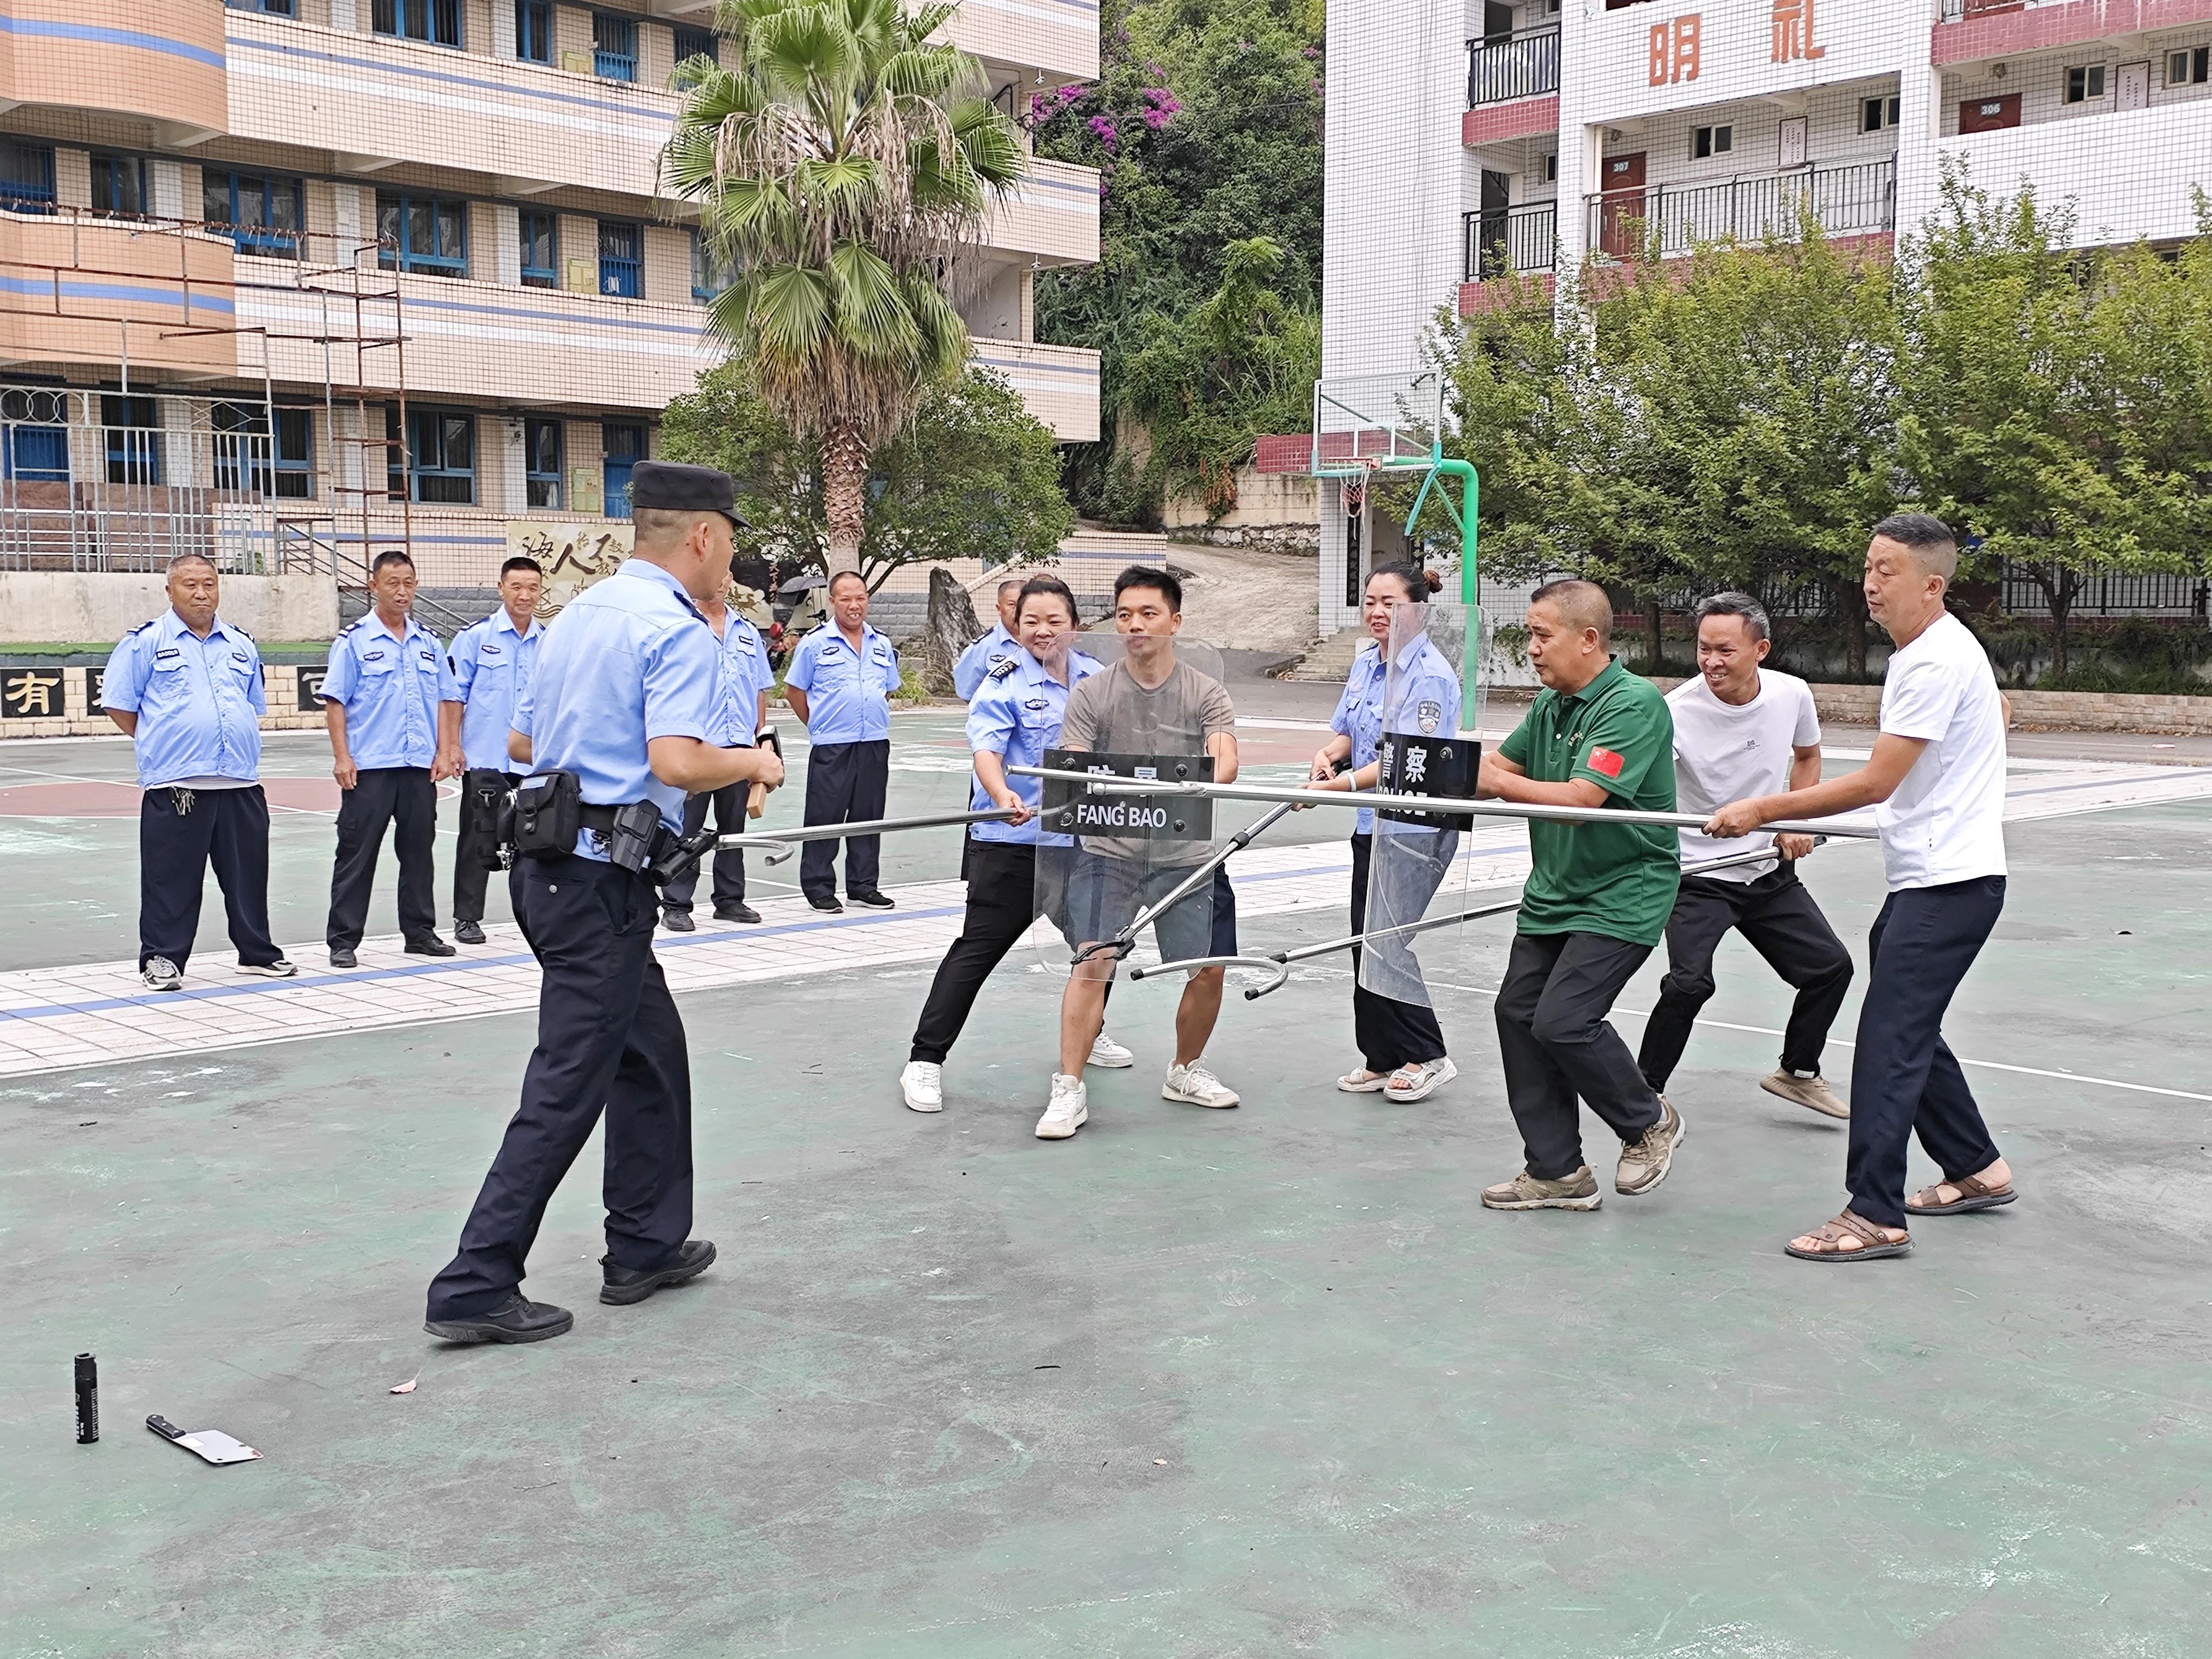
[[1524, 64], [1952, 11], [1517, 240], [1668, 219]]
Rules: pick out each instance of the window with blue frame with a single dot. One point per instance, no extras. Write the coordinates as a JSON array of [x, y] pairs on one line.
[[537, 267], [438, 21], [26, 177], [264, 214], [437, 461], [33, 443], [696, 43], [248, 458], [134, 440], [541, 462], [614, 47], [422, 233], [620, 266], [710, 274], [119, 186], [533, 31], [623, 445]]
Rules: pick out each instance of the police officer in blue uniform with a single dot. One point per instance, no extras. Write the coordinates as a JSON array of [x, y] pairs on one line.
[[1400, 1044], [747, 678], [624, 702], [1014, 718], [186, 688], [491, 660], [1001, 645], [840, 683], [387, 677]]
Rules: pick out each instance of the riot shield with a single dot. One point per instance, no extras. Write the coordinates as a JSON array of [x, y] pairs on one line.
[[1429, 744], [1123, 875]]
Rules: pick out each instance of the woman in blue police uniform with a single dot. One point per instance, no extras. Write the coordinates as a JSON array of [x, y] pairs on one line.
[[491, 662], [381, 696], [1401, 1043], [1014, 718], [840, 684], [186, 688], [626, 699]]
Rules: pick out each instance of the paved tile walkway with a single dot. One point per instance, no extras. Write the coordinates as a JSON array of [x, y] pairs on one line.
[[58, 1018]]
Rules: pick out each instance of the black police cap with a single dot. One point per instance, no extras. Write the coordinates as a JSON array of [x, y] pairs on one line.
[[680, 489]]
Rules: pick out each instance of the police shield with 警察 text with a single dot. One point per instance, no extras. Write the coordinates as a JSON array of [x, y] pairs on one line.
[[617, 726]]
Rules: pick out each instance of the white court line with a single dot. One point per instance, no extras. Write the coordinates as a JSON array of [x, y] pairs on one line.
[[1840, 1043]]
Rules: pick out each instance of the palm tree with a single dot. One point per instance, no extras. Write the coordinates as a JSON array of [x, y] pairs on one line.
[[843, 169]]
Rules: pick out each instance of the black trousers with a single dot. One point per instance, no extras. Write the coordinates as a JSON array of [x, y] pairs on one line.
[[729, 806], [1905, 1078], [845, 783], [1389, 1033], [1778, 918], [225, 828], [1556, 1045], [479, 837], [405, 797], [608, 1037], [1002, 904]]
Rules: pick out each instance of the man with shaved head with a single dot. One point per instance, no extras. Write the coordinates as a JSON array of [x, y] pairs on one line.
[[1596, 902], [1936, 782]]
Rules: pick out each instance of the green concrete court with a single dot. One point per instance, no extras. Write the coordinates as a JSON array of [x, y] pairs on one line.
[[1257, 1382]]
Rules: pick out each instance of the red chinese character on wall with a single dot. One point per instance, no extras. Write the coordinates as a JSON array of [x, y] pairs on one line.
[[1793, 32], [1674, 48]]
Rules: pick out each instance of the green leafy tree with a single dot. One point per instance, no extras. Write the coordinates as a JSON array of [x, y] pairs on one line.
[[2054, 401], [1205, 125], [1762, 380], [974, 475], [1240, 363], [843, 166]]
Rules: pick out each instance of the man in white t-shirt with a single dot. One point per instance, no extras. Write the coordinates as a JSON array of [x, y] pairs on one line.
[[1936, 778], [1741, 731]]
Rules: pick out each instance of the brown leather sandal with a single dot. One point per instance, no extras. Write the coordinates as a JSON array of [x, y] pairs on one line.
[[1874, 1243], [1974, 1193]]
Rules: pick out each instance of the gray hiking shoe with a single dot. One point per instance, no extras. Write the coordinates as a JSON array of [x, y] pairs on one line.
[[1644, 1161], [1525, 1192], [1813, 1092]]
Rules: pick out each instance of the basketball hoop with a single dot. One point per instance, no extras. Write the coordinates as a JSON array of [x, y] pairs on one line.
[[1355, 489]]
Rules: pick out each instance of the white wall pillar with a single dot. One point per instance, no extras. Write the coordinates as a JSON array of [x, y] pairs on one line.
[[502, 29], [178, 471], [515, 479], [165, 184]]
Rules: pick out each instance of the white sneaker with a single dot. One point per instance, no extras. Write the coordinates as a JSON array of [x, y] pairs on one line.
[[1108, 1054], [922, 1082], [1194, 1083], [162, 974], [1422, 1080], [1069, 1110]]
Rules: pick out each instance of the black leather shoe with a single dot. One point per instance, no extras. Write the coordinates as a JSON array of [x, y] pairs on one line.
[[468, 932], [873, 901], [429, 945], [827, 904], [622, 1286], [736, 912], [518, 1319], [678, 922], [342, 956]]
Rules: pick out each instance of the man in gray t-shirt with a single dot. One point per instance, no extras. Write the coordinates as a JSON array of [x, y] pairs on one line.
[[1147, 703]]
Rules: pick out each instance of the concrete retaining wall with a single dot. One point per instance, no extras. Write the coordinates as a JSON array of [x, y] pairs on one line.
[[41, 606], [2056, 711]]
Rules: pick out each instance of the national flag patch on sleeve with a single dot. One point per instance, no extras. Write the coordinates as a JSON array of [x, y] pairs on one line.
[[1604, 760]]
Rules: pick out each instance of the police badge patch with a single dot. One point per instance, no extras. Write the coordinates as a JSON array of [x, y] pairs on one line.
[[1427, 715]]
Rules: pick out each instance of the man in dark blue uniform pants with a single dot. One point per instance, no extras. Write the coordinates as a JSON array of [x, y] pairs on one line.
[[624, 701], [840, 683], [186, 688], [491, 662]]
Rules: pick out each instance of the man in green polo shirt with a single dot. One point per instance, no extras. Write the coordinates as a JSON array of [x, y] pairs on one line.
[[1596, 902]]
